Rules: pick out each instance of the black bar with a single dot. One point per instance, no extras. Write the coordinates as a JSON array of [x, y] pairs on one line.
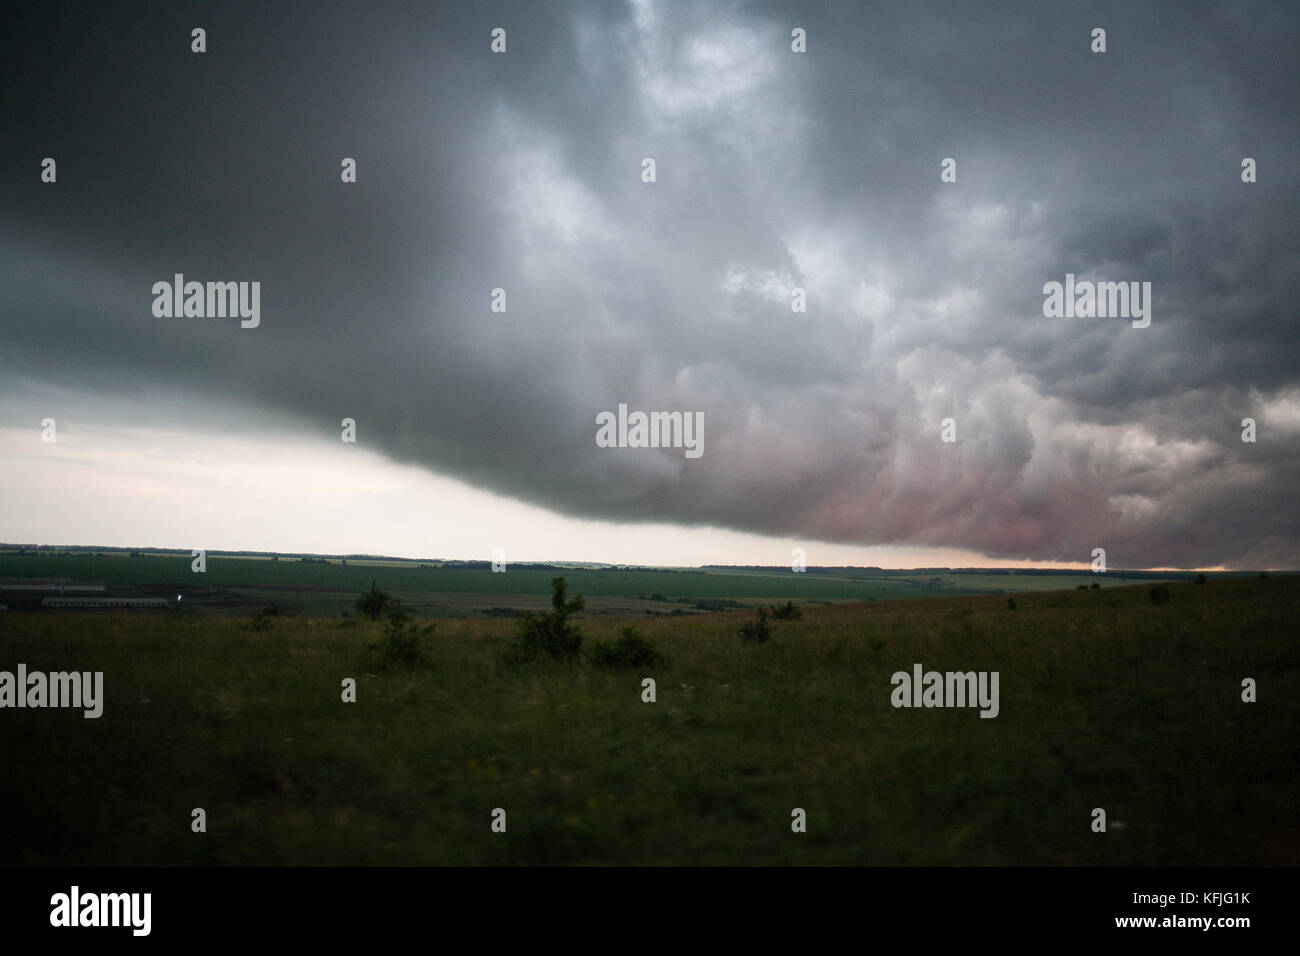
[[666, 906]]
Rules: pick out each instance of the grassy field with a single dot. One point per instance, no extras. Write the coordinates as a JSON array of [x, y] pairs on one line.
[[242, 584], [1106, 699]]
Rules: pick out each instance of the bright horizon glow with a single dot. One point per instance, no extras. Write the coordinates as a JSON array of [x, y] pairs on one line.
[[126, 487]]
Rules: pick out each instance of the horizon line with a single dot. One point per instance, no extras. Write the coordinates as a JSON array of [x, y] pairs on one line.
[[229, 552]]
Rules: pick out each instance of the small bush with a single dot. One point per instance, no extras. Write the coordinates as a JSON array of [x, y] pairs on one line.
[[1081, 587], [1011, 604], [395, 612], [1200, 579], [756, 632], [1263, 576], [372, 603], [1159, 594], [786, 612], [400, 646], [716, 604], [630, 650], [1095, 586], [549, 634], [263, 620]]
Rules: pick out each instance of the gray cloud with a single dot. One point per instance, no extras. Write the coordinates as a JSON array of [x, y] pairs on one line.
[[774, 170]]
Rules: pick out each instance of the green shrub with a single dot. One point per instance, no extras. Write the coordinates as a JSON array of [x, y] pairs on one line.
[[1011, 604], [786, 612], [551, 635], [1159, 594], [395, 611], [263, 620], [400, 645], [756, 632], [630, 650], [372, 603], [716, 604]]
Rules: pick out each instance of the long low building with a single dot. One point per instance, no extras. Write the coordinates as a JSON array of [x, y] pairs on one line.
[[29, 593], [89, 602], [61, 586]]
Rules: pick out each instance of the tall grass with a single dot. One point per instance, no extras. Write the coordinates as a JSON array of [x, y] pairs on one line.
[[1106, 700]]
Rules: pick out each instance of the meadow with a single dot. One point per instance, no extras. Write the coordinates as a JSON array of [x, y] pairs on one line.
[[242, 584], [1107, 700]]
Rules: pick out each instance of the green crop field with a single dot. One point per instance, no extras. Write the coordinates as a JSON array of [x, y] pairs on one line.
[[1106, 700], [241, 584]]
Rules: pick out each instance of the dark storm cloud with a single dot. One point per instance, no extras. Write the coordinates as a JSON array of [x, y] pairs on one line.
[[775, 170]]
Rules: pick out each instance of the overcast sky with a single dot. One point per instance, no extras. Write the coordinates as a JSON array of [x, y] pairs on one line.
[[774, 170]]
